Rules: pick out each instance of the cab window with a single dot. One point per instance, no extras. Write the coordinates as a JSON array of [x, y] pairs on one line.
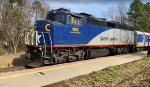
[[50, 17], [59, 18], [74, 20]]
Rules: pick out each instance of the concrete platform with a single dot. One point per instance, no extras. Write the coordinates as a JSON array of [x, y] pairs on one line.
[[45, 75]]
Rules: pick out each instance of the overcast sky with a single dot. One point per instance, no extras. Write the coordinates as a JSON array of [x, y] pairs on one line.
[[94, 7]]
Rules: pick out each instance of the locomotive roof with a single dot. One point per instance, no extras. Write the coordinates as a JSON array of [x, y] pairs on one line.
[[66, 11]]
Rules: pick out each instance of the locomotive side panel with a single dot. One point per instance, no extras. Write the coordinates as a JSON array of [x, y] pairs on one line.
[[100, 36], [123, 37], [114, 37], [69, 35], [86, 35]]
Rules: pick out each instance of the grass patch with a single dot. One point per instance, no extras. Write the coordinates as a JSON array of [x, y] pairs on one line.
[[135, 74]]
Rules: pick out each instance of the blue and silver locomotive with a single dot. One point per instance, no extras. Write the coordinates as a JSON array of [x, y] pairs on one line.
[[66, 36]]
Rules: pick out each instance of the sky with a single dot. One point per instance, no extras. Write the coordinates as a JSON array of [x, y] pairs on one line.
[[97, 8]]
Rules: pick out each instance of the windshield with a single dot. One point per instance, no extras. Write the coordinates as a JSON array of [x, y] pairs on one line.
[[50, 17], [56, 18], [59, 18]]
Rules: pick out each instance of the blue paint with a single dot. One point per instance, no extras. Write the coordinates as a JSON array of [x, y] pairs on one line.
[[147, 37], [62, 34], [140, 37]]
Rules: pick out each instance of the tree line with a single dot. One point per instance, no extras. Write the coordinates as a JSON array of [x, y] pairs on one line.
[[139, 15]]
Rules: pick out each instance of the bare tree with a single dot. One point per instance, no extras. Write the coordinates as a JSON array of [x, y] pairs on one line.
[[39, 10], [110, 14], [14, 23], [46, 8], [118, 14], [122, 13]]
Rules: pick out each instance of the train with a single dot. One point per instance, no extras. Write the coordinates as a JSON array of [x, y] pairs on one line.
[[65, 36]]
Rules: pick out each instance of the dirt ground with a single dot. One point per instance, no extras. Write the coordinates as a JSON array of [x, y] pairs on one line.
[[10, 60]]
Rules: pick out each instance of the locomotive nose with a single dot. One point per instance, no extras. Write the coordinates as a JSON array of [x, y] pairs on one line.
[[43, 26]]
